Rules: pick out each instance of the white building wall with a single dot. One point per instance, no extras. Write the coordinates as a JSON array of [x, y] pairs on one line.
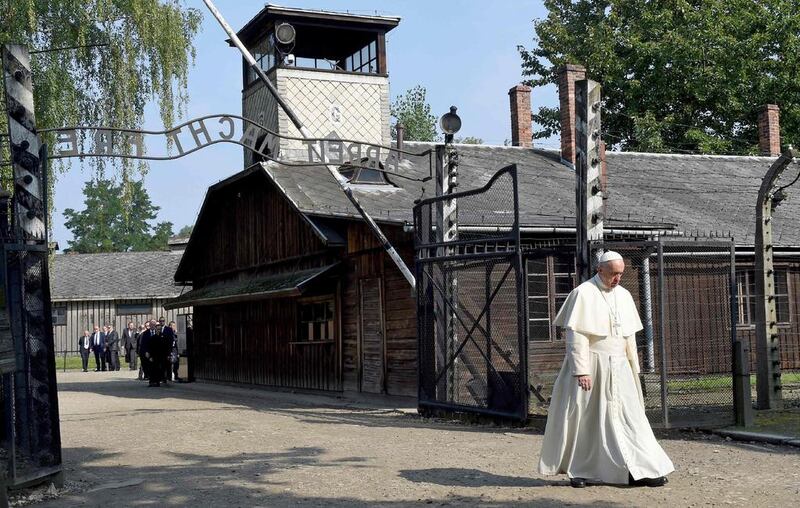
[[354, 106]]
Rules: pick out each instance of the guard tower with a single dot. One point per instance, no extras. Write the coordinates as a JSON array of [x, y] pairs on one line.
[[333, 74]]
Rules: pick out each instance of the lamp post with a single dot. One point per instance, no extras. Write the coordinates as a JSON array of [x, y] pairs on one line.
[[450, 123], [447, 231]]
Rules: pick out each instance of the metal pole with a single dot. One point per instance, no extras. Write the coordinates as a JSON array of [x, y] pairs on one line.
[[30, 298], [450, 227], [768, 382], [661, 328], [588, 186], [387, 246], [742, 399], [439, 274], [647, 311]]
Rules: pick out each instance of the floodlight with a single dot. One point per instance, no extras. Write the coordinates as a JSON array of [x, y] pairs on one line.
[[285, 34]]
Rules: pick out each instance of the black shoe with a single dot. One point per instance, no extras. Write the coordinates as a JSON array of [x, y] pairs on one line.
[[648, 482], [578, 483]]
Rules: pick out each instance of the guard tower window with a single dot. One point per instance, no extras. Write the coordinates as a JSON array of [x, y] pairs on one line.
[[326, 48], [264, 55], [364, 60]]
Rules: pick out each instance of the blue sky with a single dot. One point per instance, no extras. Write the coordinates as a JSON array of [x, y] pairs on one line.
[[462, 51]]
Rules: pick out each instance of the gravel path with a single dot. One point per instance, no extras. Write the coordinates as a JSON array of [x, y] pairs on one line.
[[204, 445]]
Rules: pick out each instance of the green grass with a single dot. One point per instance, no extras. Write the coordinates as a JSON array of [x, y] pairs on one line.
[[72, 362], [712, 383]]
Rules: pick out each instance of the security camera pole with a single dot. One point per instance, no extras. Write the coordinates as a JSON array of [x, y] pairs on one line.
[[306, 134]]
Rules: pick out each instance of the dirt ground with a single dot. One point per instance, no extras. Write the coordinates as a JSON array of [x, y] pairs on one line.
[[208, 445]]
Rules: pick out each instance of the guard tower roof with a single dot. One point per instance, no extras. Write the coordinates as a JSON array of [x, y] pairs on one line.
[[256, 27]]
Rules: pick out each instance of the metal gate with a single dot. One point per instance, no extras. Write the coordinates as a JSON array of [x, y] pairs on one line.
[[471, 316], [686, 293], [687, 296]]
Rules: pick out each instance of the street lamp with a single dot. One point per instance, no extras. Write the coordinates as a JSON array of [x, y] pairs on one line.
[[450, 124]]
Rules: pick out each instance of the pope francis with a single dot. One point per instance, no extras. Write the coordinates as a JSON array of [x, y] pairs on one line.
[[597, 430]]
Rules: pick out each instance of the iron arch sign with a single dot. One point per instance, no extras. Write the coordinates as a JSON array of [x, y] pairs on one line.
[[198, 133]]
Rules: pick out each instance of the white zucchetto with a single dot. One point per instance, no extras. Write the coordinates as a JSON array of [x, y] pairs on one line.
[[609, 255]]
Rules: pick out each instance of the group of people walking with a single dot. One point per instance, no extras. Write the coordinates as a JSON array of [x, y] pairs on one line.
[[154, 344]]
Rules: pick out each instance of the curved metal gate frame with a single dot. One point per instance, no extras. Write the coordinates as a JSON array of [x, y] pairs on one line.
[[471, 313]]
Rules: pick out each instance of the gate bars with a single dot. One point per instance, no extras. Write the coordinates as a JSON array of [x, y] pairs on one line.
[[688, 302], [472, 319]]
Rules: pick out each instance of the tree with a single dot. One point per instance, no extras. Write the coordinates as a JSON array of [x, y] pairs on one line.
[[681, 75], [186, 231], [468, 140], [111, 223], [145, 53], [414, 113]]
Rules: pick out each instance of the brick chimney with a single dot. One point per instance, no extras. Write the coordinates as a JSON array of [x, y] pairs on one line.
[[567, 76], [769, 129], [520, 99]]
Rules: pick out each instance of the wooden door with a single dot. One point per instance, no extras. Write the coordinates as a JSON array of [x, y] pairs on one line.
[[373, 347]]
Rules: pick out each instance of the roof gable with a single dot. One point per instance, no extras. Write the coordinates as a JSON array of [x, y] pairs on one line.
[[249, 181]]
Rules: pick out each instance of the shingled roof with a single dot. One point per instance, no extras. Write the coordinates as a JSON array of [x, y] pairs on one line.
[[116, 275], [688, 193], [546, 186], [702, 193]]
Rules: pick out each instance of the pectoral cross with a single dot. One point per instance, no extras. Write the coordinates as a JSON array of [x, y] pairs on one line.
[[616, 323]]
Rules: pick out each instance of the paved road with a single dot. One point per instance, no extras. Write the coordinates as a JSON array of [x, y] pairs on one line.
[[204, 445]]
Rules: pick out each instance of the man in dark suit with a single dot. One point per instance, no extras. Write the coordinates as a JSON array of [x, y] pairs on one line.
[[112, 342], [142, 329], [129, 343], [84, 346], [98, 348], [152, 353], [167, 340]]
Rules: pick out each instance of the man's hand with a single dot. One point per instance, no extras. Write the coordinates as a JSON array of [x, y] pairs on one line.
[[585, 382]]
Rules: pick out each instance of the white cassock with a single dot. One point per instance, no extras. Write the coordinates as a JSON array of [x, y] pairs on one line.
[[601, 434]]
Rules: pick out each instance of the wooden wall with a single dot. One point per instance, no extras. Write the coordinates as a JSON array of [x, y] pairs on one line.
[[258, 346], [366, 260], [83, 315], [245, 225], [251, 228], [788, 334]]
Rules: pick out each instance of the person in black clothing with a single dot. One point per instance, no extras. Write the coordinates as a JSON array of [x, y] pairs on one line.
[[151, 345], [174, 352], [84, 347], [168, 340], [98, 348], [112, 341], [142, 329], [129, 345]]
